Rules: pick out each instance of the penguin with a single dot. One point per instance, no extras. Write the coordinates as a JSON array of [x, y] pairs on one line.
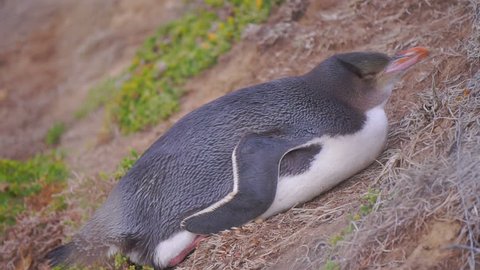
[[250, 154]]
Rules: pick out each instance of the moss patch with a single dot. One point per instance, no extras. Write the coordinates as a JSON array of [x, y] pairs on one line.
[[22, 183]]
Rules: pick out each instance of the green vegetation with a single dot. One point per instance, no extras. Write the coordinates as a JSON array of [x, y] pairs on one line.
[[331, 265], [20, 181], [340, 236], [176, 52], [54, 134], [125, 164], [122, 262], [368, 202], [97, 97]]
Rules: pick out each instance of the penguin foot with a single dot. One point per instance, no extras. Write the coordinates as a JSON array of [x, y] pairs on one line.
[[184, 253]]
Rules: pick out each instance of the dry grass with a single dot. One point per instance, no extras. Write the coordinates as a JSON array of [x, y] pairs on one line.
[[433, 175], [422, 187], [34, 235], [257, 245]]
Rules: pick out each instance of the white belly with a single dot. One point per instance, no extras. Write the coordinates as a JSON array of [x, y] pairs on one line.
[[339, 158]]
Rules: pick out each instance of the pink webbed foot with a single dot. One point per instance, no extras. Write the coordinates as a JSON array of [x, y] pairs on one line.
[[180, 257]]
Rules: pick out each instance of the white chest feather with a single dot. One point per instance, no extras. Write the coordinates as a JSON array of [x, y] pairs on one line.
[[339, 158]]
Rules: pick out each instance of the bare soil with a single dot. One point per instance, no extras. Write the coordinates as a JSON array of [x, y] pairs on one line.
[[62, 59], [52, 52]]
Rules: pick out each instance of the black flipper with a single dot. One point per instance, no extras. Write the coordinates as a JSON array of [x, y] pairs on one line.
[[255, 167]]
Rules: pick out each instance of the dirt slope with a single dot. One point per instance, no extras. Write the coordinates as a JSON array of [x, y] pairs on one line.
[[288, 45], [52, 52]]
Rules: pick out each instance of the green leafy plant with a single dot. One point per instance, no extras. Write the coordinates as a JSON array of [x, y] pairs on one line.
[[340, 236], [368, 202], [125, 164], [21, 180], [178, 51], [122, 262], [54, 134]]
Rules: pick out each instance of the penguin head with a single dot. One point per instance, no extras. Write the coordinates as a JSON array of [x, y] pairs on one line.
[[365, 79]]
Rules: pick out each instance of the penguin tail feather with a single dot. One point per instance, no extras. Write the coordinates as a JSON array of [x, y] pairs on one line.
[[62, 256], [75, 253]]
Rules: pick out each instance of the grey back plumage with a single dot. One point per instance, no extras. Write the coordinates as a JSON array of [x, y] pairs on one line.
[[190, 166]]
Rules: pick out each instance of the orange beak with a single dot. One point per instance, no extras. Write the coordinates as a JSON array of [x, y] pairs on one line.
[[405, 59]]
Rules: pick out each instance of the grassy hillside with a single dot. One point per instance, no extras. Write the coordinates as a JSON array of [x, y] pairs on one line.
[[150, 89]]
